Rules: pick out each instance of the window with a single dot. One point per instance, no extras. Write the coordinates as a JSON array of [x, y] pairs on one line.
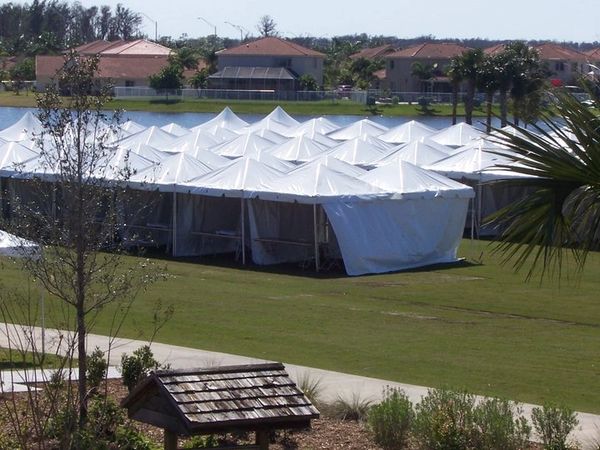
[[391, 63], [559, 66], [129, 83]]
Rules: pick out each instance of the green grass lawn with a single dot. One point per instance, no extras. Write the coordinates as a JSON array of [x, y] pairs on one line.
[[317, 108], [13, 359], [475, 325]]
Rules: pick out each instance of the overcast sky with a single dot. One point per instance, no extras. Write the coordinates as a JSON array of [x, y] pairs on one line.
[[574, 20]]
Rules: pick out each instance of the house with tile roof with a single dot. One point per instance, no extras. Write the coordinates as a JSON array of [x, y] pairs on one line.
[[124, 63], [399, 66], [270, 63], [564, 64], [374, 52]]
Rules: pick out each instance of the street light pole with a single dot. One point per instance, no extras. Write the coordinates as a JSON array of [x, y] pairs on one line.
[[155, 26], [240, 29], [210, 25]]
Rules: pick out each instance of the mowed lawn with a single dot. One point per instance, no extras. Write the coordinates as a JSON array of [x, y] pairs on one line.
[[475, 325]]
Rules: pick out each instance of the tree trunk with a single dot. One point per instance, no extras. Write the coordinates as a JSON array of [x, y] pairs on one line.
[[489, 99], [454, 102], [469, 102], [503, 108]]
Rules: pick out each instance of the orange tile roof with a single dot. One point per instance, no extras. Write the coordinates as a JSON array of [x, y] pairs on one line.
[[271, 46], [556, 52], [374, 52], [430, 50], [120, 47], [494, 49], [114, 67], [380, 74], [594, 54]]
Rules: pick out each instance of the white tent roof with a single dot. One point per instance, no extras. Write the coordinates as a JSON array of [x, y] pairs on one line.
[[225, 119], [335, 164], [359, 128], [279, 115], [175, 129], [132, 127], [149, 152], [410, 181], [407, 132], [197, 138], [420, 153], [267, 124], [266, 133], [269, 160], [321, 139], [471, 161], [26, 127], [457, 135], [209, 158], [240, 178], [317, 125], [176, 169], [358, 151], [122, 164], [13, 155], [242, 145], [298, 150], [16, 247], [153, 136], [317, 183]]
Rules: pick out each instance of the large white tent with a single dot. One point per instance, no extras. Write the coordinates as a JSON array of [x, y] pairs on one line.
[[16, 247], [298, 150], [457, 135], [364, 127], [25, 128], [420, 153]]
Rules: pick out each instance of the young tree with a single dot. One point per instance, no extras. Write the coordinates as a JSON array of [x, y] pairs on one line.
[[455, 75], [76, 214], [22, 72], [471, 60], [266, 26], [488, 80], [170, 78]]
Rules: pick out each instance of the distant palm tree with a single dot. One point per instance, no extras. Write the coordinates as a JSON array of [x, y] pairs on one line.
[[488, 80], [561, 217], [424, 72], [454, 72], [470, 60]]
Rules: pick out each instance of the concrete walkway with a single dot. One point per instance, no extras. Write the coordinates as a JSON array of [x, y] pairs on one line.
[[332, 384]]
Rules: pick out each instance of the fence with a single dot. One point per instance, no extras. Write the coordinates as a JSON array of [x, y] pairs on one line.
[[358, 96], [238, 94]]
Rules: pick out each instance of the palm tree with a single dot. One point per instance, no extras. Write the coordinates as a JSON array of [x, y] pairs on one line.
[[561, 217], [488, 80], [527, 81], [470, 60], [424, 72], [454, 72]]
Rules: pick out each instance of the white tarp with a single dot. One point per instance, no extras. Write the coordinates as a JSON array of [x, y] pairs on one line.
[[195, 139], [319, 125], [298, 150], [16, 247], [387, 235], [153, 136], [358, 151], [225, 119], [420, 153], [175, 129], [337, 165], [242, 145], [26, 127]]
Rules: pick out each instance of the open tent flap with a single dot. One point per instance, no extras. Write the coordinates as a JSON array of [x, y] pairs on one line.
[[285, 232], [149, 217], [388, 235], [207, 225]]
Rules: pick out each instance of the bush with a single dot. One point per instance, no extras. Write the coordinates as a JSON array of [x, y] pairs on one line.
[[311, 387], [355, 408], [136, 367], [501, 426], [390, 420], [201, 442], [444, 420], [553, 424], [96, 368], [395, 100]]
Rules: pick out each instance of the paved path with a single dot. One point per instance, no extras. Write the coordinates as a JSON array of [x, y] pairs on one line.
[[333, 384]]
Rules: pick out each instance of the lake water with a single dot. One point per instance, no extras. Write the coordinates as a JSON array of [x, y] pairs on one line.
[[8, 116]]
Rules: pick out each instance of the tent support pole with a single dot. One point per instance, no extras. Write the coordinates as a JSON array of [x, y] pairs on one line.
[[479, 203], [316, 237], [174, 225], [472, 203], [243, 243]]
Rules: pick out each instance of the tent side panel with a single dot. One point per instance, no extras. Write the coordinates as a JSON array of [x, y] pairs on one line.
[[389, 235]]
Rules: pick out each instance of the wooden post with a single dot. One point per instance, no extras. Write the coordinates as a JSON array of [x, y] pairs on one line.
[[170, 440], [316, 236], [262, 439], [174, 224], [243, 224]]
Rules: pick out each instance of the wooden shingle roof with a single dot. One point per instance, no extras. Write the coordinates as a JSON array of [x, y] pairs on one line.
[[220, 399]]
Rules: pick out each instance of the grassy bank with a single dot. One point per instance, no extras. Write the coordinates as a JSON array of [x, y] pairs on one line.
[[318, 108], [474, 325]]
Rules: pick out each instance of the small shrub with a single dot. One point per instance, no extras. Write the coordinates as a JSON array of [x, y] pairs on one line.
[[96, 368], [201, 442], [395, 100], [136, 367], [311, 387], [553, 424], [501, 426], [356, 408], [444, 420], [390, 420]]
